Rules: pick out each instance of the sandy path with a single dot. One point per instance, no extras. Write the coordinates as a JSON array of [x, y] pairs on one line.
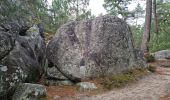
[[151, 87]]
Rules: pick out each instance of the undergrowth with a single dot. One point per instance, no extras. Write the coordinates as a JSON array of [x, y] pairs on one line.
[[149, 57], [122, 79]]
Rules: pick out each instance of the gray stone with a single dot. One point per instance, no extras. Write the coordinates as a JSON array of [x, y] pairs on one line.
[[3, 68], [27, 91], [163, 54], [91, 48], [22, 47], [56, 97], [53, 72], [6, 43], [139, 59], [55, 78], [22, 56], [83, 86], [53, 82]]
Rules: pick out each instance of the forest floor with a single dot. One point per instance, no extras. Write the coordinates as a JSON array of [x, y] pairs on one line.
[[153, 86]]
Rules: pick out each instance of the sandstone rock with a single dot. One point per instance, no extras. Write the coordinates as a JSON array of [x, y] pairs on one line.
[[27, 91], [90, 48], [22, 56], [83, 86], [163, 54]]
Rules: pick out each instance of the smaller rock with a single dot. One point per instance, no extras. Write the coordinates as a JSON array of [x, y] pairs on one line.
[[163, 54], [59, 82], [83, 86], [56, 97], [3, 68], [27, 91]]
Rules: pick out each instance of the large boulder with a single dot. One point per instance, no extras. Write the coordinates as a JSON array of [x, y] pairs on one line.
[[22, 55], [163, 54], [91, 48]]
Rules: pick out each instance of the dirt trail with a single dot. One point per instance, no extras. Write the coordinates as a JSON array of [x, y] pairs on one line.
[[151, 87]]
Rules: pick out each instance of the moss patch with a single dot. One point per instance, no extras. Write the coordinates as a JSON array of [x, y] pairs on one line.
[[122, 79]]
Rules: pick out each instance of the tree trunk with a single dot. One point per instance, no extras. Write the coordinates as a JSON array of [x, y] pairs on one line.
[[77, 10], [155, 17], [146, 34]]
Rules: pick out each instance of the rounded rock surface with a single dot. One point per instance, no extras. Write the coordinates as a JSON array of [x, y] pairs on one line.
[[94, 47]]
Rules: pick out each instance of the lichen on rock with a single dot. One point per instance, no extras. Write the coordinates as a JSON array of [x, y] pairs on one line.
[[22, 56], [92, 48]]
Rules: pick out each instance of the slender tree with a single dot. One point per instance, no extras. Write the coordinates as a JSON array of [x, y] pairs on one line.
[[146, 34], [155, 17]]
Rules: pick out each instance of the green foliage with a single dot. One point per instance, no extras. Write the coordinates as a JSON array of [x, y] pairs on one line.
[[116, 7], [160, 41], [58, 15], [27, 11], [79, 9], [61, 11], [137, 34], [122, 79], [39, 11]]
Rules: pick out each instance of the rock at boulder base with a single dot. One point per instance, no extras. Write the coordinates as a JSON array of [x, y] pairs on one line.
[[163, 54], [94, 47], [27, 91], [54, 82], [53, 72], [83, 86]]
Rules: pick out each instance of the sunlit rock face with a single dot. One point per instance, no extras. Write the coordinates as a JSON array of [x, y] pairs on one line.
[[91, 48], [22, 55]]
